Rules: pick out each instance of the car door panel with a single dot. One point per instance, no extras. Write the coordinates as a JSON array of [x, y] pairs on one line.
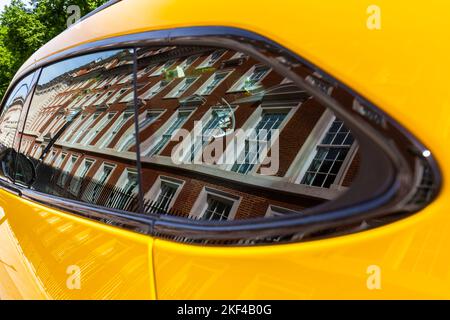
[[44, 251]]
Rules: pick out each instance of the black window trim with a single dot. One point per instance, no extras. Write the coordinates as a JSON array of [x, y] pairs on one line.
[[371, 129]]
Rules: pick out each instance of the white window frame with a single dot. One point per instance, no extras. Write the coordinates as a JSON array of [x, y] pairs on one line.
[[143, 72], [79, 85], [96, 130], [56, 118], [155, 191], [143, 117], [252, 123], [73, 126], [33, 150], [286, 81], [153, 140], [40, 150], [207, 62], [60, 161], [150, 93], [92, 118], [121, 184], [166, 66], [92, 99], [125, 140], [41, 121], [51, 157], [126, 78], [185, 64], [57, 126], [74, 183], [56, 101], [128, 98], [239, 85], [104, 98], [201, 204], [96, 178], [102, 83], [238, 55], [207, 117], [274, 211], [116, 79], [174, 93], [111, 133], [210, 80], [81, 101], [305, 156], [131, 132], [66, 98], [67, 169], [77, 99], [115, 98]]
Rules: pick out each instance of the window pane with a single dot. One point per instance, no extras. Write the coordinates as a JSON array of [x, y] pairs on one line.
[[80, 131], [335, 150], [225, 137]]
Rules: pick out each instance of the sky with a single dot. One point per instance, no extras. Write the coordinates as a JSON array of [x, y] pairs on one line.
[[4, 3]]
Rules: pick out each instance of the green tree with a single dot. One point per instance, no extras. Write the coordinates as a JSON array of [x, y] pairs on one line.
[[6, 63], [26, 26]]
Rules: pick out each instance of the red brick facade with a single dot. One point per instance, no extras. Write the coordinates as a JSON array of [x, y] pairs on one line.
[[56, 100]]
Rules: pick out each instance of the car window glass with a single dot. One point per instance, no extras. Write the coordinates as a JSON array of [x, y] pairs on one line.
[[10, 118], [81, 116], [224, 137]]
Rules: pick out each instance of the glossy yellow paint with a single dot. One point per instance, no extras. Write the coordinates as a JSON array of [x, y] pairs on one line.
[[43, 250], [402, 68]]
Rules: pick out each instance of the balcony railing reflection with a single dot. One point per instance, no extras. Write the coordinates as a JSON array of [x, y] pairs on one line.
[[152, 207], [87, 189]]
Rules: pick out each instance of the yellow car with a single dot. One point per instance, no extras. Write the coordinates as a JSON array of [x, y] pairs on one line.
[[238, 150]]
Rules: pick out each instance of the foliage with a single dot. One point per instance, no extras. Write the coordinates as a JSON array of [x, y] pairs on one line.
[[26, 26]]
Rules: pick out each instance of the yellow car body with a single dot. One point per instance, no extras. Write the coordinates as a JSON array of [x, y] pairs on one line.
[[402, 68]]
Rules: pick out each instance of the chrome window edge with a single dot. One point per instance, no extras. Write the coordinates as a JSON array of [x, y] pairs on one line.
[[375, 205]]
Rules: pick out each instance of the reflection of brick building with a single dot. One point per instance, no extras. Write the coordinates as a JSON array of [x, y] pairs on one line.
[[9, 121], [88, 113]]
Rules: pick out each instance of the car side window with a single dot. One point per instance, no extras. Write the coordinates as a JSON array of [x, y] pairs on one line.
[[81, 115], [203, 141], [10, 118]]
